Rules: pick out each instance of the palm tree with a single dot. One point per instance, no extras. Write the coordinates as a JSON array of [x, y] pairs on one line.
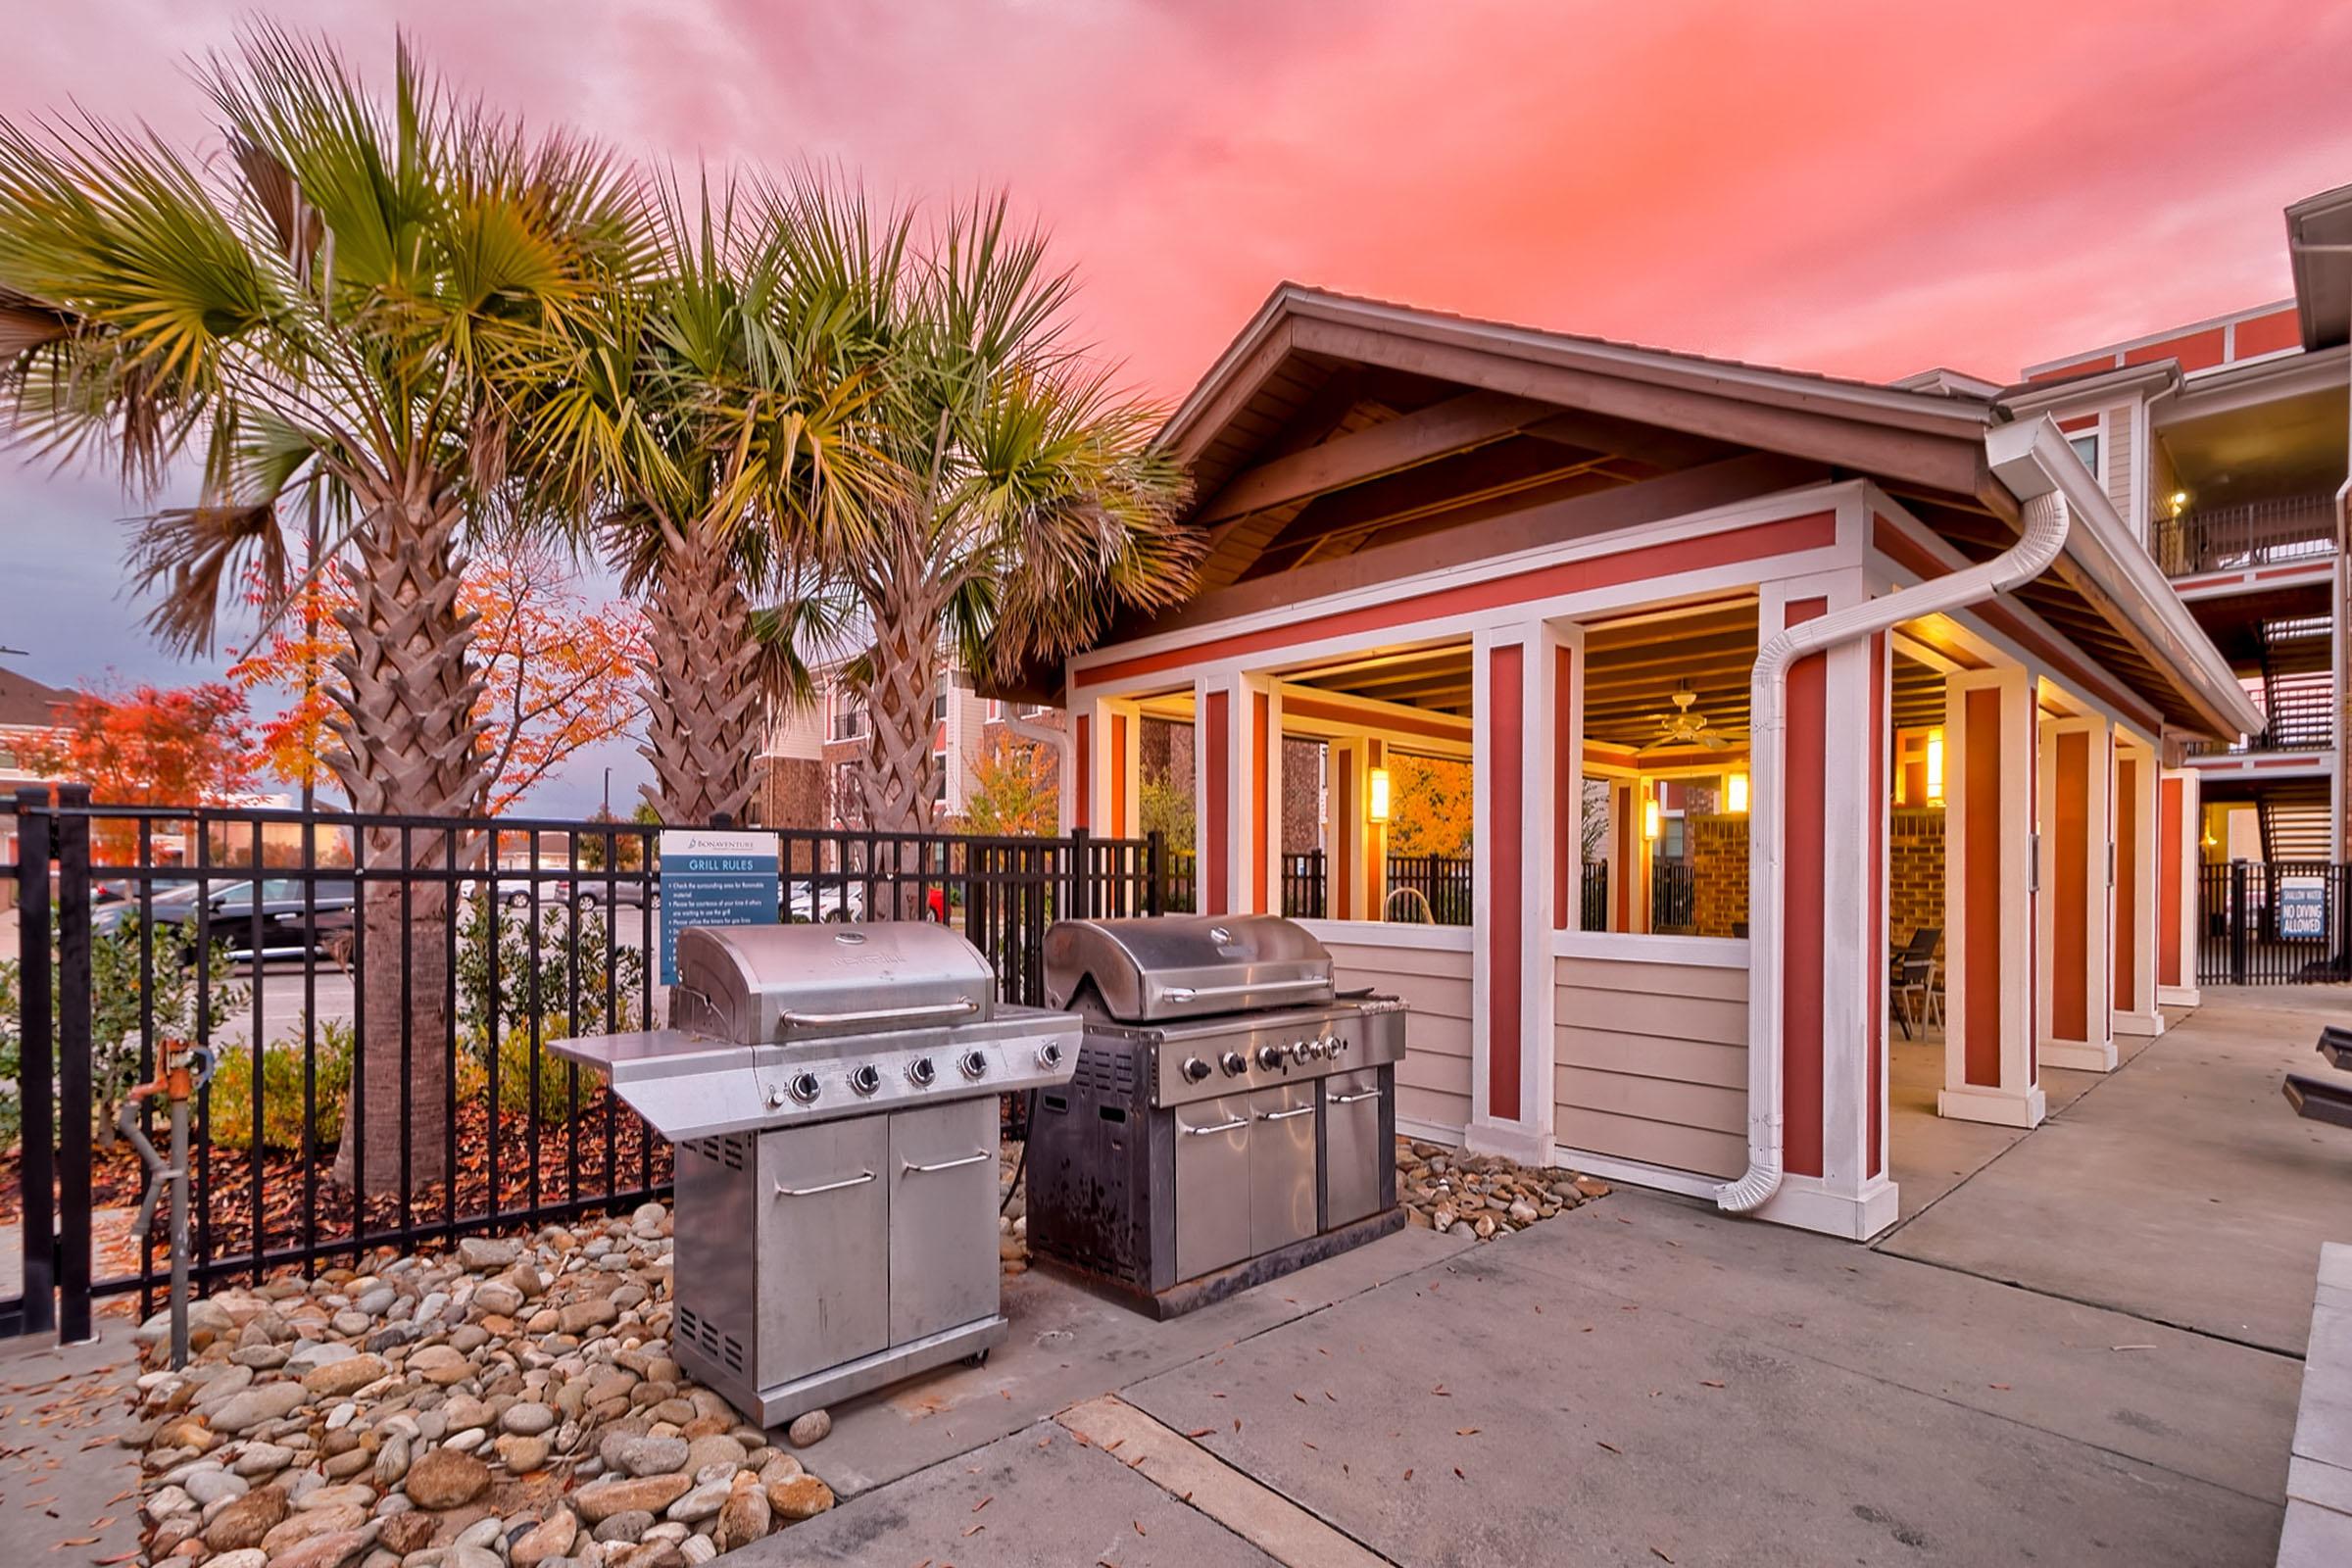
[[356, 299], [705, 423], [1031, 501]]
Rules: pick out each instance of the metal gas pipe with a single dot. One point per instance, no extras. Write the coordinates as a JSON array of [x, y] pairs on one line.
[[184, 1070]]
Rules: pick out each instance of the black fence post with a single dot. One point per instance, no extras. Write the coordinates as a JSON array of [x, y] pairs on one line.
[[2237, 922], [1156, 873], [1081, 879], [74, 1064], [36, 1063]]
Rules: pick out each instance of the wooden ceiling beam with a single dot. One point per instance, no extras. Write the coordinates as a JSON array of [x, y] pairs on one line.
[[1457, 424]]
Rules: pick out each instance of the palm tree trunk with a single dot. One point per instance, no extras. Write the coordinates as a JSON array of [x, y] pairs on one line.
[[701, 702], [899, 771], [410, 745]]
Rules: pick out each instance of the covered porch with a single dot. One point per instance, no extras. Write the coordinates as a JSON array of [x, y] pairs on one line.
[[1556, 564]]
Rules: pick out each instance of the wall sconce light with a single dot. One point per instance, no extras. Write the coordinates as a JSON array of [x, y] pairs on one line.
[[1376, 801], [1735, 794], [1651, 822], [1936, 764], [2180, 499]]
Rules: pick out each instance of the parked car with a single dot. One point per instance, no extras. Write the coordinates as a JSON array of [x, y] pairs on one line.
[[514, 891], [292, 925], [629, 888], [827, 901]]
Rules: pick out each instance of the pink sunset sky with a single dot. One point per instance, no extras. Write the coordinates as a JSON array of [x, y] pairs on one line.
[[1867, 188]]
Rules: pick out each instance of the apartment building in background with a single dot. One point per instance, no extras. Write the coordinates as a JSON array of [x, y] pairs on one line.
[[812, 748], [2223, 441]]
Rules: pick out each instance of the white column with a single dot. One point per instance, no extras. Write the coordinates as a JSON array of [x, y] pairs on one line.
[[1990, 929], [2073, 1006], [2136, 902], [1512, 987]]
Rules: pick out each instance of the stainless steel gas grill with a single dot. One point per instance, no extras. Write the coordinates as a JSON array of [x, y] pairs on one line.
[[832, 1093], [1232, 1117]]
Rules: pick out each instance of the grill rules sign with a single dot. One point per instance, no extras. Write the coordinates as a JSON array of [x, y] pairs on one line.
[[710, 877]]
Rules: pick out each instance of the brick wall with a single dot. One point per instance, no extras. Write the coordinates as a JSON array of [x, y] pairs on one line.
[[1717, 848], [1914, 872]]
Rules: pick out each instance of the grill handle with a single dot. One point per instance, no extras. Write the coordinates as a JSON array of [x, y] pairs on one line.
[[946, 1164], [958, 1008], [859, 1180], [1221, 1127], [1246, 988], [1285, 1116], [1350, 1100]]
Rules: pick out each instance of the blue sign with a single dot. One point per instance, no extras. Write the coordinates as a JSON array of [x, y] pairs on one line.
[[710, 877], [2302, 906]]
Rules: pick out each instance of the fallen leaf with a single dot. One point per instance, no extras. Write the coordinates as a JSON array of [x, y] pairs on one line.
[[1465, 1432], [970, 1531], [1408, 1475], [1661, 1557], [2131, 1347], [1457, 1474], [1709, 1382], [1611, 1447], [2003, 1387], [1200, 1432], [1295, 1395], [1138, 1527], [983, 1502]]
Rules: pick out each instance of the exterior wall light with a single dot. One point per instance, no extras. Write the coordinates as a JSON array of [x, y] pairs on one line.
[[1651, 822], [1936, 764], [1735, 794], [1376, 799]]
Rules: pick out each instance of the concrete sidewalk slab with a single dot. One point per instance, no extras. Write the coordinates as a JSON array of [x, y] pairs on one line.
[[1068, 1344], [62, 1476], [1491, 1412], [2188, 1402], [2181, 1189], [1037, 1496]]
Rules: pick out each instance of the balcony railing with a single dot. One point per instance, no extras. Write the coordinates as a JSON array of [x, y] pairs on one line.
[[2255, 533]]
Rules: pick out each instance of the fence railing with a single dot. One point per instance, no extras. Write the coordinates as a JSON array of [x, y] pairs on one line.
[[1302, 886], [2253, 533], [1438, 889], [1673, 896], [1594, 891], [378, 996], [2273, 922]]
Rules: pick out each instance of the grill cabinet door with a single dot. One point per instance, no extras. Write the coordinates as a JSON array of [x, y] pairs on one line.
[[1350, 1146], [1282, 1164], [1212, 1183], [943, 1217], [825, 1220]]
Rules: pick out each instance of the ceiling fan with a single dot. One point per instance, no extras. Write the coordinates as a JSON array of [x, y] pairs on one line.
[[1685, 726]]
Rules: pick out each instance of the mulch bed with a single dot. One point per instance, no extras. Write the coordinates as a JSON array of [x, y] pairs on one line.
[[223, 1205]]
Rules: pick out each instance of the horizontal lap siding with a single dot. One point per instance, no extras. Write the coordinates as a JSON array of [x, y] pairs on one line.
[[1653, 1063], [1432, 1082]]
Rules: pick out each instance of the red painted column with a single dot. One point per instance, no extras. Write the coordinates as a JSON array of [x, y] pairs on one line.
[[1216, 805], [1506, 761], [2127, 875], [1802, 905], [1118, 825], [1082, 779]]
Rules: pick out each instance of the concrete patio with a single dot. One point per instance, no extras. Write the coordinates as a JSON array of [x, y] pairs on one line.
[[2074, 1355], [2085, 1349]]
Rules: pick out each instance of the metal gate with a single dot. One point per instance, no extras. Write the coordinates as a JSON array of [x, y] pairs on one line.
[[2274, 923]]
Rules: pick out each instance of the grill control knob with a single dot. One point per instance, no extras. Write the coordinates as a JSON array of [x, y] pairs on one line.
[[1048, 1055], [804, 1087], [921, 1072], [1234, 1063], [975, 1065], [1332, 1045], [866, 1079], [1301, 1050], [1194, 1069], [1269, 1056]]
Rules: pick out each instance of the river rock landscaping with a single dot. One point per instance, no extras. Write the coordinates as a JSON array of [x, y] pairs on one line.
[[511, 1401], [1484, 1196]]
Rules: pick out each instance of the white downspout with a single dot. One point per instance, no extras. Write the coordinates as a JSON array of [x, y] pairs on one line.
[[2020, 455]]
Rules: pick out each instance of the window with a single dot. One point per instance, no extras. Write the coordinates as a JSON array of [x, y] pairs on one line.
[[2087, 447], [939, 708], [1032, 710], [939, 778], [849, 720], [995, 711]]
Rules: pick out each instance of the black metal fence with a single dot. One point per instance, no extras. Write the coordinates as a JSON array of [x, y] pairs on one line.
[[2273, 922], [1431, 889], [1673, 896], [1594, 889], [1304, 888], [378, 995]]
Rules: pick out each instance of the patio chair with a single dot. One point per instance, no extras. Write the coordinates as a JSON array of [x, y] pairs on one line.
[[1913, 983]]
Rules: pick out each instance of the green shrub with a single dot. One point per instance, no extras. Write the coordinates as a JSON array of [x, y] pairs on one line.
[[232, 1092], [561, 946]]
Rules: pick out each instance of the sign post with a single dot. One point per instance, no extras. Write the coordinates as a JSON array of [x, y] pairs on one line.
[[715, 877]]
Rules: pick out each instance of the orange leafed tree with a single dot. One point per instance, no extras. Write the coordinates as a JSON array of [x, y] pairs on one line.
[[149, 745], [556, 672], [1013, 790], [1430, 811]]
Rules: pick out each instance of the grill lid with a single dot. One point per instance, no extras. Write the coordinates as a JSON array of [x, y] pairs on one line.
[[1184, 966], [784, 984]]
